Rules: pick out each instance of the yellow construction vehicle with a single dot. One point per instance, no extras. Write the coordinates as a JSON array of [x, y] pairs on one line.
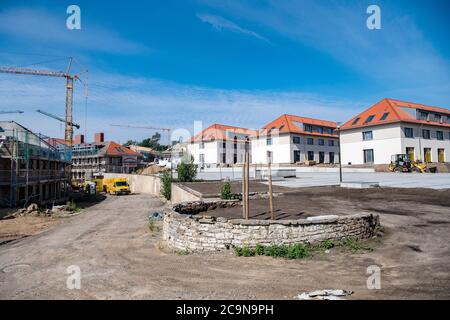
[[116, 186], [403, 163]]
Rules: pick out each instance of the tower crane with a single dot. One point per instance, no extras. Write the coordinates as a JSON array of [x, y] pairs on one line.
[[145, 127], [57, 118], [12, 111], [70, 78]]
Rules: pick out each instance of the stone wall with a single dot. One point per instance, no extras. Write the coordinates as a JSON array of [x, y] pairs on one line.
[[149, 184], [204, 233]]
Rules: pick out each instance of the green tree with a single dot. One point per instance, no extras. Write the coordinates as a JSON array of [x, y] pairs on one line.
[[186, 172], [166, 185], [226, 191]]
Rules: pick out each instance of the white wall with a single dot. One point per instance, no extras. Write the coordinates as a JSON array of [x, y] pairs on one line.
[[282, 148], [418, 143], [389, 140], [213, 152]]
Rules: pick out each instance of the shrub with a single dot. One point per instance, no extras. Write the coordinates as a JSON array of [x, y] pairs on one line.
[[225, 193], [186, 172], [244, 252], [166, 185], [300, 250], [72, 206]]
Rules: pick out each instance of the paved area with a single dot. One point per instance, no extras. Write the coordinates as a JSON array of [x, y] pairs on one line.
[[385, 179], [120, 258]]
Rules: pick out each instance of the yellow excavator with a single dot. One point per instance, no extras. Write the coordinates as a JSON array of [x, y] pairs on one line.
[[403, 163]]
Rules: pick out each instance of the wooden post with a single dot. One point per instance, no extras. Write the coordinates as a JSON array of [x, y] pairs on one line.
[[244, 210], [272, 214], [247, 183]]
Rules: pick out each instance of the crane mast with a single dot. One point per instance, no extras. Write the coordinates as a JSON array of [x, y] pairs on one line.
[[68, 131]]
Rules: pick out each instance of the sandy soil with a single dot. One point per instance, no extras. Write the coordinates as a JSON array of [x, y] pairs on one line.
[[21, 227], [121, 258], [306, 202], [213, 188]]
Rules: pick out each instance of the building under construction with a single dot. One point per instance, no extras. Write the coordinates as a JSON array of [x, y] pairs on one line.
[[31, 170], [90, 159]]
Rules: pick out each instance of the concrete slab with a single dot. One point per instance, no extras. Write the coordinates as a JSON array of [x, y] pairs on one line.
[[385, 179], [359, 184]]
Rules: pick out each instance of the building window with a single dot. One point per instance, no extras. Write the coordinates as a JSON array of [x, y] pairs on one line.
[[440, 135], [224, 157], [331, 143], [269, 141], [368, 156], [367, 135], [384, 116], [331, 157], [437, 117], [369, 118], [321, 142], [426, 134], [310, 155], [409, 133], [327, 131], [224, 144], [422, 116], [355, 121], [296, 140], [310, 141], [307, 128], [202, 158], [202, 145]]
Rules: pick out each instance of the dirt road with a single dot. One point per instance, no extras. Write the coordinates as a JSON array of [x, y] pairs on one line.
[[119, 258]]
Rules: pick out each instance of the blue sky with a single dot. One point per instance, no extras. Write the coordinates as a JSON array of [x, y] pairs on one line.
[[169, 63]]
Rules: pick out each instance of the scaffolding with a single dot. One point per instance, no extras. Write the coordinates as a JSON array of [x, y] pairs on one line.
[[26, 161]]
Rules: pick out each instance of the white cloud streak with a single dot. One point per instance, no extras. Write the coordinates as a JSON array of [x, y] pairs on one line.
[[221, 23]]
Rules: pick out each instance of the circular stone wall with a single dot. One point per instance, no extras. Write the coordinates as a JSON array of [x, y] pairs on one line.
[[204, 233]]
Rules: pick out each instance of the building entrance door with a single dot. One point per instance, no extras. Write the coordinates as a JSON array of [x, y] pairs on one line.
[[410, 153], [296, 156], [441, 155], [427, 153], [321, 157]]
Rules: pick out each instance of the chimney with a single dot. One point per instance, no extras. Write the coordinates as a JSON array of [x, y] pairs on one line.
[[79, 139], [99, 137]]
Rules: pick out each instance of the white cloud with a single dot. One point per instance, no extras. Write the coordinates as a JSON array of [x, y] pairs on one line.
[[399, 53], [141, 101], [221, 23], [43, 28]]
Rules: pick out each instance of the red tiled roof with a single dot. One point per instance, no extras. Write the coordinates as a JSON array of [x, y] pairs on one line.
[[114, 149], [219, 132], [393, 111], [288, 123]]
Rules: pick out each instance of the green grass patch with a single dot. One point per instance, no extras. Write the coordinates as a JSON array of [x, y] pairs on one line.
[[301, 250]]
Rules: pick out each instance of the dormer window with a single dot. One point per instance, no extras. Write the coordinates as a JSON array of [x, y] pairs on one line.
[[355, 121], [384, 116], [369, 118]]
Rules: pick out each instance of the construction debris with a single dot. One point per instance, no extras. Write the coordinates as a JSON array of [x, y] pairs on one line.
[[327, 294]]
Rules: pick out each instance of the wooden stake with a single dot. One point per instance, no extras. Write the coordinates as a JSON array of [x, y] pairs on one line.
[[244, 211], [272, 214], [247, 183]]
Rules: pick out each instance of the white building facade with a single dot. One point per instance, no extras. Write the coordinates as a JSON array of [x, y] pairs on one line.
[[292, 139], [220, 145], [396, 127]]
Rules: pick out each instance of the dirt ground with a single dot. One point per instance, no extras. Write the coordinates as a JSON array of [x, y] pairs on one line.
[[313, 201], [121, 258], [213, 188]]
